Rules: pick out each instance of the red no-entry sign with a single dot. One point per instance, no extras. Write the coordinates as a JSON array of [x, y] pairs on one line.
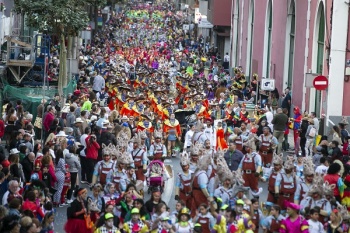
[[321, 83]]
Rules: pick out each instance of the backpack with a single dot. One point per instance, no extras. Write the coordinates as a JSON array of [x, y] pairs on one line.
[[312, 132]]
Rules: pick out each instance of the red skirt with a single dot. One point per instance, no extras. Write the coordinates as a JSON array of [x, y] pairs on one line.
[[74, 225]]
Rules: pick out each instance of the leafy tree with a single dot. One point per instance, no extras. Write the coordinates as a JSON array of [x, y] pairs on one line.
[[65, 18]]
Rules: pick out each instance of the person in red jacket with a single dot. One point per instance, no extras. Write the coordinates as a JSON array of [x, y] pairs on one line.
[[92, 148], [48, 119], [2, 128], [30, 204], [334, 180]]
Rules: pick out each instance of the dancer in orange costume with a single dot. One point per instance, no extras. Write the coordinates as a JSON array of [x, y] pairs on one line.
[[220, 137]]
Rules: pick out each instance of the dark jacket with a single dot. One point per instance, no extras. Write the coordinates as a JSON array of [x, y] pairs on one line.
[[233, 158], [28, 167], [279, 122]]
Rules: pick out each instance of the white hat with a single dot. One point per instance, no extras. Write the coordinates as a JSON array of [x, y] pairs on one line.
[[105, 122], [125, 118], [14, 151], [93, 118], [61, 134], [78, 120]]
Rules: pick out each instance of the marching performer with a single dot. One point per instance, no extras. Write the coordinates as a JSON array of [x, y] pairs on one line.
[[272, 223], [268, 144], [172, 129], [220, 137], [200, 193], [208, 149], [195, 153], [145, 124], [270, 174], [294, 222], [224, 191], [157, 149], [140, 158], [118, 175], [209, 131], [127, 108], [103, 167], [200, 109], [315, 198], [237, 138], [305, 183], [183, 181], [285, 185], [251, 167]]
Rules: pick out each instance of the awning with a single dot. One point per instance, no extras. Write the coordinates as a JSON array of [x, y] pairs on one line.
[[224, 34], [204, 23]]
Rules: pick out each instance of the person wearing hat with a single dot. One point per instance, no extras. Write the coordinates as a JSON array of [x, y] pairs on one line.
[[251, 167], [209, 131], [294, 222], [135, 224], [172, 130], [183, 181], [140, 158], [183, 224], [127, 108], [237, 138], [146, 126], [76, 213], [103, 167], [343, 132], [108, 225], [77, 128], [307, 182], [158, 149], [117, 175], [268, 144], [286, 184], [200, 109], [199, 135], [315, 198], [200, 190], [270, 175]]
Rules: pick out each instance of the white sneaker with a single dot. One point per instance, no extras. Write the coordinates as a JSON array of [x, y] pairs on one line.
[[69, 201]]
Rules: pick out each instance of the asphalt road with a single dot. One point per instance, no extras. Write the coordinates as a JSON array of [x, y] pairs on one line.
[[167, 196]]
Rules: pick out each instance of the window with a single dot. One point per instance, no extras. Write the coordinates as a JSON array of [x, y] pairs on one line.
[[291, 15], [268, 40], [320, 50], [250, 39]]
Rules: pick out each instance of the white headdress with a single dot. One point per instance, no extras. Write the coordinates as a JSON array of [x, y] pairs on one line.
[[184, 160], [196, 148], [158, 134], [125, 158], [309, 167], [203, 163], [277, 159], [199, 126], [143, 134], [344, 213], [317, 185], [289, 163], [328, 189]]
